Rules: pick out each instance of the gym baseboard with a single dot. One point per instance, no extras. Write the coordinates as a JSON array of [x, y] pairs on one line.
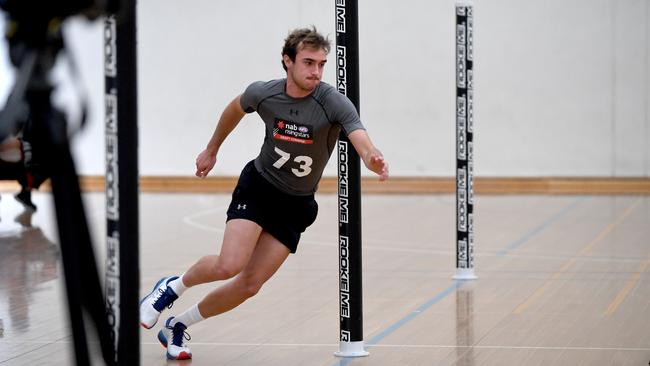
[[395, 185]]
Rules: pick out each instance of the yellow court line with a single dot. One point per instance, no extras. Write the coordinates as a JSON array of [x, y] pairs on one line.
[[586, 250], [622, 295]]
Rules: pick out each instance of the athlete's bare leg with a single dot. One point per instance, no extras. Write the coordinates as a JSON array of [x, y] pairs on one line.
[[268, 256], [239, 241]]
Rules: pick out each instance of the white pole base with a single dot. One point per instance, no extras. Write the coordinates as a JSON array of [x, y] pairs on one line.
[[351, 349], [465, 274]]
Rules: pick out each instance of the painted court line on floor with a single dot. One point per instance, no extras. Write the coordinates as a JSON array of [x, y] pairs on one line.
[[458, 284], [572, 261]]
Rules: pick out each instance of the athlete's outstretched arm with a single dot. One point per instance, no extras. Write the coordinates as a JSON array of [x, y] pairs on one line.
[[371, 156], [232, 114]]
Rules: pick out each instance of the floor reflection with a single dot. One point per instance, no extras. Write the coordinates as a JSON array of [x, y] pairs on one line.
[[465, 326], [27, 259]]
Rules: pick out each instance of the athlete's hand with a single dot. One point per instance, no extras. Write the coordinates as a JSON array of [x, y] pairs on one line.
[[204, 163], [375, 162], [372, 158]]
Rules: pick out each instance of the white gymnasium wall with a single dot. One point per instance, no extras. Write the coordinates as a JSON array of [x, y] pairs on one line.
[[562, 87]]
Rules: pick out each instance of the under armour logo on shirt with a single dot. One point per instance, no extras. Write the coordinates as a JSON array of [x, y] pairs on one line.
[[293, 111], [241, 207]]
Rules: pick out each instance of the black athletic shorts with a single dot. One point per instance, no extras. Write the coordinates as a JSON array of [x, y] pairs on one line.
[[282, 215]]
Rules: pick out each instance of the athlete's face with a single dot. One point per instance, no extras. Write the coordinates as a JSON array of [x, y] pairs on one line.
[[305, 73]]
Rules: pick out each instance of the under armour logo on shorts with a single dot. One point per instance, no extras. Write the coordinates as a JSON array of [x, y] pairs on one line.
[[241, 207]]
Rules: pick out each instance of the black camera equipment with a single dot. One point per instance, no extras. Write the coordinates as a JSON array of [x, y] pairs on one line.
[[34, 37]]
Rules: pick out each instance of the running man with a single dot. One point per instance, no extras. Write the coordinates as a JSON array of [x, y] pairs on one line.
[[273, 202]]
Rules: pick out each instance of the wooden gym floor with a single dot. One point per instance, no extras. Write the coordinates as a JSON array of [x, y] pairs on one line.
[[563, 280]]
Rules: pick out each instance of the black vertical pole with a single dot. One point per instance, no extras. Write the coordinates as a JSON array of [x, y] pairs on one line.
[[464, 140], [349, 188], [122, 186]]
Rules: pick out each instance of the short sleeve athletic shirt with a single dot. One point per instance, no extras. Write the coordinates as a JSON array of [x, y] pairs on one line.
[[300, 132]]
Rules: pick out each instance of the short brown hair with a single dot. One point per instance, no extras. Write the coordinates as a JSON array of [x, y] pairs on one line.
[[303, 38]]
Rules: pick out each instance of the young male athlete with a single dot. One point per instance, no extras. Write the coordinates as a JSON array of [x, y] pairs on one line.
[[273, 202]]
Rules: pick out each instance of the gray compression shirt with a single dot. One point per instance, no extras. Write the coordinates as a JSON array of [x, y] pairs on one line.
[[300, 132]]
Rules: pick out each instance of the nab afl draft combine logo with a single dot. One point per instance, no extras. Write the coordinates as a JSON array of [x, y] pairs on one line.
[[293, 132]]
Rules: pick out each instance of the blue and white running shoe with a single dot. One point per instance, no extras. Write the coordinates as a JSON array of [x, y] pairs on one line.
[[176, 349], [159, 298]]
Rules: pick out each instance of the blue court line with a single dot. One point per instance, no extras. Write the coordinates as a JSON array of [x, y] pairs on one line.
[[531, 234], [424, 307], [459, 283], [400, 323]]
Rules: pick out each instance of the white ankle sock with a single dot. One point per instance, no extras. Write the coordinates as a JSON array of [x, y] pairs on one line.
[[189, 317], [178, 286]]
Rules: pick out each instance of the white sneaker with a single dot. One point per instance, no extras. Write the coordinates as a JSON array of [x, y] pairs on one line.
[[159, 298], [172, 338]]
